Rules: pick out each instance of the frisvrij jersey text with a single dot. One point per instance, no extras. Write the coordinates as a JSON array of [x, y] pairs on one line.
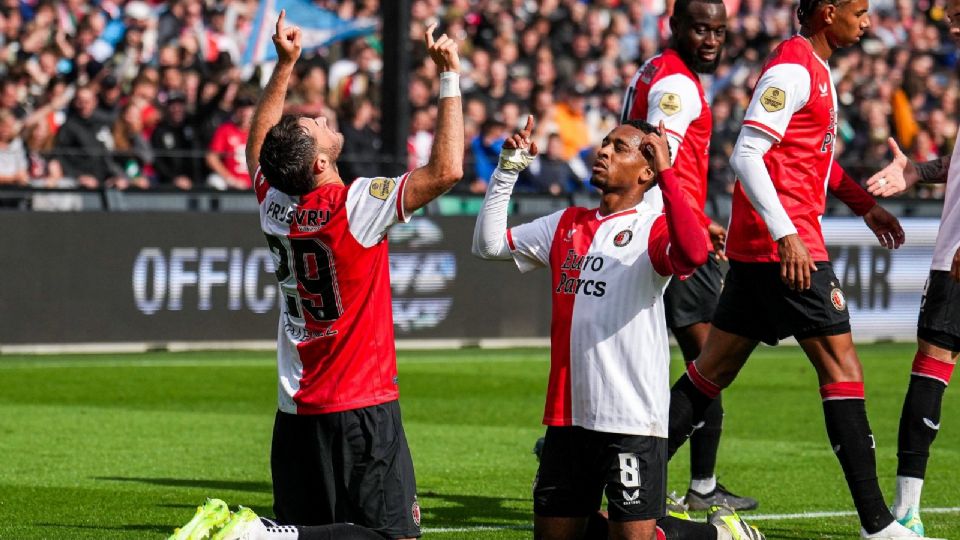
[[335, 345]]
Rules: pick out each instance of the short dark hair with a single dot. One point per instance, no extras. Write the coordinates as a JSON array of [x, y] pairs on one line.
[[806, 8], [681, 8], [646, 127], [287, 156]]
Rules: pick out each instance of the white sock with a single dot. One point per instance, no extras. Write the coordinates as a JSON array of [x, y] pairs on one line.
[[908, 495], [282, 532], [703, 486], [723, 533]]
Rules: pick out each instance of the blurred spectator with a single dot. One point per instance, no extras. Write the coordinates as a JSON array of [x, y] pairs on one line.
[[83, 141], [549, 173], [569, 114], [485, 149], [132, 153], [44, 169], [226, 155], [13, 157], [361, 140], [175, 144], [420, 139]]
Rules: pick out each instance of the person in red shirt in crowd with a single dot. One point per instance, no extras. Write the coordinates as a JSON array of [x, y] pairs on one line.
[[226, 153]]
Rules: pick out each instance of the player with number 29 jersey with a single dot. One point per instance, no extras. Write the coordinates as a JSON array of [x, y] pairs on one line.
[[335, 340]]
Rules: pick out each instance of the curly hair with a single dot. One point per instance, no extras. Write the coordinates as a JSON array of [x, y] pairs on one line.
[[807, 8]]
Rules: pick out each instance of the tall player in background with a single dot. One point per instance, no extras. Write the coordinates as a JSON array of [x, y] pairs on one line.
[[938, 327], [780, 281], [608, 395], [339, 452], [667, 89]]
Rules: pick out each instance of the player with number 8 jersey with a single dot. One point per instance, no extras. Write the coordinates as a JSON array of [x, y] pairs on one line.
[[339, 453]]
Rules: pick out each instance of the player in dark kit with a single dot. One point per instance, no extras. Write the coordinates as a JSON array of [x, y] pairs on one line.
[[339, 452], [667, 88], [780, 281]]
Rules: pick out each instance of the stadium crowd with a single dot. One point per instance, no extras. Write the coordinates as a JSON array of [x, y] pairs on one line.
[[133, 94]]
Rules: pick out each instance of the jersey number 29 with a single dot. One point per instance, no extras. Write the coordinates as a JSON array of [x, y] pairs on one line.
[[313, 269]]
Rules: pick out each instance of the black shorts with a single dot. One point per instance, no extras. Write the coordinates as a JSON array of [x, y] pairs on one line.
[[351, 466], [939, 322], [756, 304], [693, 300], [578, 465]]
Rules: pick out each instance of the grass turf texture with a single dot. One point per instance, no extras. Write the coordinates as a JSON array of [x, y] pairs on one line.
[[126, 446]]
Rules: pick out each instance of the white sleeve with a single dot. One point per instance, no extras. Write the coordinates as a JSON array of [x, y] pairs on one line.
[[781, 91], [675, 101], [747, 163], [490, 232], [373, 205]]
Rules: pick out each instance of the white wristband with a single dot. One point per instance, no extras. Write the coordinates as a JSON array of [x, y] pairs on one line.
[[449, 84]]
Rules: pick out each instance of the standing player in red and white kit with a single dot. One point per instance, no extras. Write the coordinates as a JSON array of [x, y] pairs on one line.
[[339, 452], [780, 281], [608, 394], [667, 89]]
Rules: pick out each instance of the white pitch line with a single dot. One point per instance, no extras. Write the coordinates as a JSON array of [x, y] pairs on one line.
[[748, 516]]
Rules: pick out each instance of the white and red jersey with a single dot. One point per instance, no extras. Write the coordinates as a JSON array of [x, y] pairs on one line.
[[948, 238], [610, 353], [795, 103], [335, 348], [665, 89]]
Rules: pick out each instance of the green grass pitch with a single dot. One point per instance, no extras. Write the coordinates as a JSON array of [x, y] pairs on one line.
[[125, 446]]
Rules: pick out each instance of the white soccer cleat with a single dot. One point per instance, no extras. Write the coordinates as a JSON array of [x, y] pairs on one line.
[[894, 531], [244, 524]]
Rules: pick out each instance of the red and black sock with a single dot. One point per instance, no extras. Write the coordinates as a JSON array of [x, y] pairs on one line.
[[849, 431], [920, 418], [689, 399]]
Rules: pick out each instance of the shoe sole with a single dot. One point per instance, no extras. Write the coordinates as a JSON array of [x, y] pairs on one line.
[[706, 506]]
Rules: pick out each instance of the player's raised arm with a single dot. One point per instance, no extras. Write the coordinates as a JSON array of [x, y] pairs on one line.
[[490, 233], [270, 108], [445, 166]]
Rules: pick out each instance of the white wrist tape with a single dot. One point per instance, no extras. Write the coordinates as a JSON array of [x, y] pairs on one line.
[[515, 159], [449, 84]]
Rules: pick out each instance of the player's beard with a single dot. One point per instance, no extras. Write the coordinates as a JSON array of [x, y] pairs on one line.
[[698, 65]]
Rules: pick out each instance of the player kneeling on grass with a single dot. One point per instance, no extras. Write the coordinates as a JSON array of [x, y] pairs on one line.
[[608, 395], [215, 521]]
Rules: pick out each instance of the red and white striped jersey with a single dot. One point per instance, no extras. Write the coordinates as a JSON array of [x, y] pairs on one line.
[[335, 347], [795, 103], [610, 353], [948, 238], [665, 89]]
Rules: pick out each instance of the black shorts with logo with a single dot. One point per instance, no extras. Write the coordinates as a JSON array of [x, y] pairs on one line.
[[579, 465], [939, 322], [345, 467], [693, 300], [756, 304]]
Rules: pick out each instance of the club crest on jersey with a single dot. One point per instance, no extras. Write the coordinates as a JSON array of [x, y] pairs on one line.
[[670, 104], [773, 99], [623, 238], [381, 188], [837, 299], [647, 72]]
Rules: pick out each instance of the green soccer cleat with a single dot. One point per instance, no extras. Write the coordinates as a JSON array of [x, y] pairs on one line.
[[911, 520], [244, 524], [212, 515], [676, 508], [730, 526]]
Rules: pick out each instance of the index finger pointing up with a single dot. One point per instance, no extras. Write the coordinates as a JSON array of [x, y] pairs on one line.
[[280, 18], [429, 34], [528, 129]]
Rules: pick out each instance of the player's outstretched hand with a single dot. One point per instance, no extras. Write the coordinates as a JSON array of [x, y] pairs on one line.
[[886, 226], [955, 267], [890, 181], [287, 40], [656, 150], [796, 265], [519, 150], [718, 237], [444, 51]]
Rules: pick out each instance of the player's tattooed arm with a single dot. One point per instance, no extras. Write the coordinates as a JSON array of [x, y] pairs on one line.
[[932, 172], [270, 108]]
